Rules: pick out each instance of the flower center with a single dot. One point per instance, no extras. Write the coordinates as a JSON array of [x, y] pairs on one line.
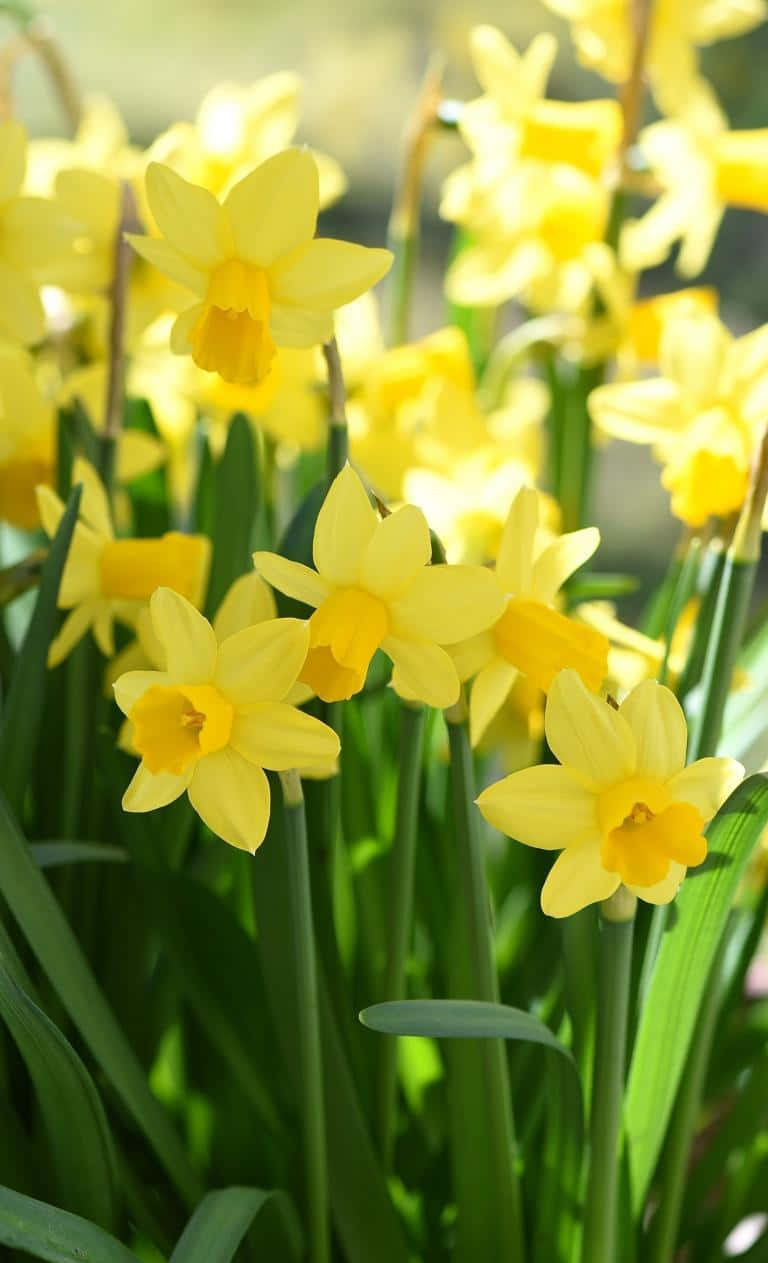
[[344, 634], [540, 642], [174, 725], [584, 135], [741, 169], [706, 484], [231, 336], [644, 831], [131, 569]]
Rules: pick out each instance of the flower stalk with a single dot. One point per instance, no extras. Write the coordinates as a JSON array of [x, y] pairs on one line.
[[118, 300], [338, 434]]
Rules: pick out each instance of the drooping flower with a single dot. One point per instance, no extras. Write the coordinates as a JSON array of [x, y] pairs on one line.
[[261, 277], [621, 807], [106, 578], [216, 717], [530, 637], [704, 414], [374, 588]]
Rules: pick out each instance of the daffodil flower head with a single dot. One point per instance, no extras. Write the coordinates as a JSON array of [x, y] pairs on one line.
[[530, 637], [107, 578], [262, 279], [374, 588], [27, 439], [622, 807], [215, 717]]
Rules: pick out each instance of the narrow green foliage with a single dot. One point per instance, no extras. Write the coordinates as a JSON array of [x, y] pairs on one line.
[[222, 1220], [46, 1232], [236, 503], [728, 623]]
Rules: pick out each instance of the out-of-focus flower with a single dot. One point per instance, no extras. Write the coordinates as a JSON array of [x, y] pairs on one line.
[[375, 589], [530, 637], [100, 144], [106, 578], [704, 414], [235, 129], [35, 239], [622, 807], [262, 278], [216, 716], [603, 32]]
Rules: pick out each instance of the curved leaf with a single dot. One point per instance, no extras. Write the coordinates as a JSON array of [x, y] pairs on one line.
[[51, 854], [56, 1235], [680, 976], [222, 1219], [459, 1019]]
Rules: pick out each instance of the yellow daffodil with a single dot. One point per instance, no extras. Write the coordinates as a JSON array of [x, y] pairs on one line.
[[648, 317], [216, 716], [622, 807], [262, 278], [106, 578], [375, 589], [530, 637], [235, 129], [603, 31], [35, 238], [705, 413], [101, 143]]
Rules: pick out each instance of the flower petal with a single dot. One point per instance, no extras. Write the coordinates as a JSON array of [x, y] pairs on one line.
[[94, 505], [586, 734], [294, 327], [515, 558], [706, 784], [490, 690], [640, 412], [662, 891], [277, 736], [547, 807], [262, 663], [73, 628], [149, 790], [576, 879], [13, 148], [161, 254], [132, 685], [345, 526], [658, 724], [558, 560], [448, 604], [470, 656], [291, 577], [22, 318], [273, 211], [231, 796], [400, 545], [188, 215], [328, 274], [181, 328], [249, 600], [188, 641], [423, 672]]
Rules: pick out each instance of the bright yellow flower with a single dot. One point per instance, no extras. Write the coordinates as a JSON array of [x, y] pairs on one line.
[[530, 637], [648, 318], [216, 716], [106, 578], [262, 278], [35, 237], [622, 807], [705, 413], [101, 144], [603, 32], [375, 589], [235, 129], [92, 201]]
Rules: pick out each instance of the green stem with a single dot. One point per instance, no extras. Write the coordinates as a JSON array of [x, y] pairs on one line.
[[482, 971], [710, 577], [579, 959], [338, 434], [728, 626], [600, 1219], [684, 590], [402, 863], [118, 298], [308, 1014]]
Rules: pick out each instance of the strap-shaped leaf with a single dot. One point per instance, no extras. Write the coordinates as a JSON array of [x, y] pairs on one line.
[[53, 1234], [236, 502], [52, 854], [680, 976], [222, 1219]]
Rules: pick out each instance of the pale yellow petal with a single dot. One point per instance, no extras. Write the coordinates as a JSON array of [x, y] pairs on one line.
[[470, 656], [132, 685], [558, 561], [292, 578], [13, 158], [274, 209], [138, 454], [490, 690], [72, 630], [422, 672], [514, 564], [576, 879], [187, 639], [50, 508], [277, 736], [399, 547], [22, 318], [231, 796], [249, 600], [188, 216], [148, 791], [586, 734], [345, 526], [104, 629], [161, 254], [706, 784], [262, 663], [94, 505], [328, 274], [181, 328], [548, 807], [295, 327], [640, 412], [659, 728], [448, 604], [662, 891]]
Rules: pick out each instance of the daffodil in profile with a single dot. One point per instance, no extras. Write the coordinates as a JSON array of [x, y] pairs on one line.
[[260, 276], [215, 717], [622, 807], [374, 588], [530, 636], [107, 578]]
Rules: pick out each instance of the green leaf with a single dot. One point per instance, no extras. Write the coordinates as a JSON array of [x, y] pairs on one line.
[[680, 975], [56, 1235], [296, 544], [79, 1142], [236, 501], [52, 854], [43, 923], [150, 493], [24, 704], [222, 1219], [459, 1019], [590, 585]]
